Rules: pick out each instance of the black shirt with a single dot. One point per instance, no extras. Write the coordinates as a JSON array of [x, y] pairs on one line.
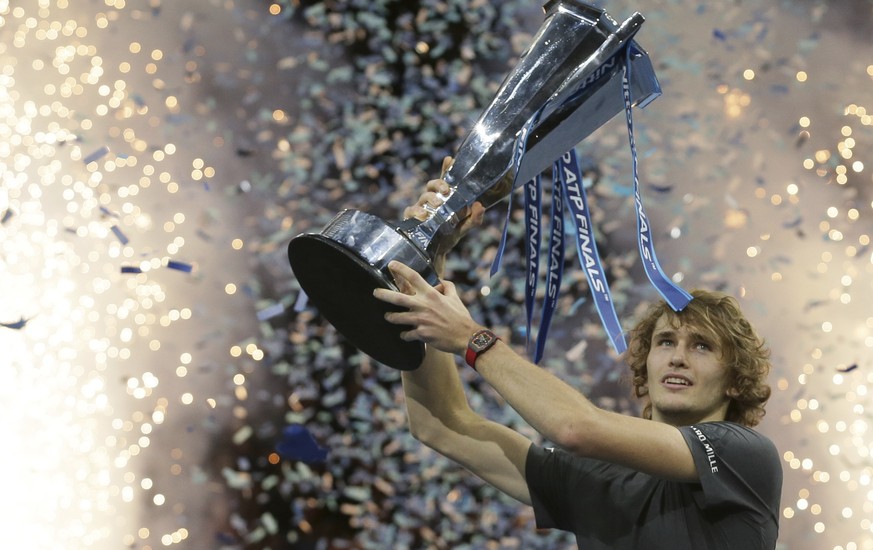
[[611, 507]]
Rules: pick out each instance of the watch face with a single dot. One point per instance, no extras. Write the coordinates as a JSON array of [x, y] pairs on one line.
[[481, 341]]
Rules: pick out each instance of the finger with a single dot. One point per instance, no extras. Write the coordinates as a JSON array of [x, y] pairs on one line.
[[400, 318], [447, 163], [404, 287], [410, 276], [437, 186], [448, 288], [431, 197], [409, 335], [393, 297], [416, 212], [475, 214], [478, 212]]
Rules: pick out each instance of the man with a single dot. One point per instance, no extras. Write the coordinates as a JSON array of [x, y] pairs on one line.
[[690, 475]]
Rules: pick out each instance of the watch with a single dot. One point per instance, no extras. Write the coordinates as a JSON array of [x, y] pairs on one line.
[[479, 343]]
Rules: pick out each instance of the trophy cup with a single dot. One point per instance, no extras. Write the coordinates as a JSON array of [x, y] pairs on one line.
[[566, 85]]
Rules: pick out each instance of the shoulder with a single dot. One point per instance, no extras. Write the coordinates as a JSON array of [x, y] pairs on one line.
[[728, 435], [730, 441], [727, 451]]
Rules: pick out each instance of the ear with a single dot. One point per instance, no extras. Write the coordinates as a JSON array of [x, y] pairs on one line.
[[732, 392]]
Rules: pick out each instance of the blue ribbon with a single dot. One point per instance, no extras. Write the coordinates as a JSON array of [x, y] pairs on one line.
[[674, 295], [517, 155], [567, 186], [533, 214], [556, 265], [571, 182]]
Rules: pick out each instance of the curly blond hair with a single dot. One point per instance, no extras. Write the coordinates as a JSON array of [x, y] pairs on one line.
[[742, 351]]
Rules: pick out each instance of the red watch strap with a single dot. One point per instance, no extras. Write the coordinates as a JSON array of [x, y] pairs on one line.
[[474, 349]]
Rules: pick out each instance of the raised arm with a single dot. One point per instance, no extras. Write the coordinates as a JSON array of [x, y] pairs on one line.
[[437, 408], [556, 410], [441, 418]]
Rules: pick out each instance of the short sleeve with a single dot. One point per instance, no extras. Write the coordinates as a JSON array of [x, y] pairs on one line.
[[737, 466], [543, 470], [564, 487]]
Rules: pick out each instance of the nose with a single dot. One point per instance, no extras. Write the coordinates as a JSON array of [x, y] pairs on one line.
[[677, 359]]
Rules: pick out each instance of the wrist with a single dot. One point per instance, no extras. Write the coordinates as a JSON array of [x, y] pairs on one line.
[[479, 343]]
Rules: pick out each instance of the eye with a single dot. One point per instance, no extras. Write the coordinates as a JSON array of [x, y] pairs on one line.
[[703, 346], [665, 342]]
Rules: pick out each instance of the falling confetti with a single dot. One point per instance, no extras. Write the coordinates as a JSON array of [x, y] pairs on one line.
[[15, 325], [216, 139], [298, 444]]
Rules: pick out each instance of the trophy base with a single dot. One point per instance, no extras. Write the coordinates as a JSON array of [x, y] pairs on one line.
[[340, 283]]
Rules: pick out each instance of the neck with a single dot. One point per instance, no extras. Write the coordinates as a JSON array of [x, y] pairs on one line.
[[682, 418]]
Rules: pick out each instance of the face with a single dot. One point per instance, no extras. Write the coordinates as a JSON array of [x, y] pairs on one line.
[[687, 381]]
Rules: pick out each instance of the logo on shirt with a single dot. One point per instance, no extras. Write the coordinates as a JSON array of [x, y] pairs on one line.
[[707, 447]]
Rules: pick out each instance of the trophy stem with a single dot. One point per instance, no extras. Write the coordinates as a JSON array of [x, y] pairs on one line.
[[564, 118]]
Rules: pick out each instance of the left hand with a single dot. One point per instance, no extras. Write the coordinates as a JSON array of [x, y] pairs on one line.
[[469, 216], [436, 315]]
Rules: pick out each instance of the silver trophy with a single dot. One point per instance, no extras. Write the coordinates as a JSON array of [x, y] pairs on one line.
[[566, 85]]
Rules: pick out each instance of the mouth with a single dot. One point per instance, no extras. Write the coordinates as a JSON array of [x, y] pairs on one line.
[[676, 381]]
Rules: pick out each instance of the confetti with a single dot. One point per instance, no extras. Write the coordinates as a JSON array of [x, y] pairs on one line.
[[16, 325], [180, 266], [122, 238], [298, 444], [106, 212], [96, 155], [270, 311], [256, 124]]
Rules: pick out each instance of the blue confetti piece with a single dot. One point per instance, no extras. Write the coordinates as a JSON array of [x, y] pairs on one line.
[[17, 325], [719, 35], [300, 304], [121, 236], [793, 223], [6, 216], [189, 45], [780, 89], [108, 212], [270, 311], [577, 304], [178, 119], [298, 444], [179, 266], [850, 368], [130, 269], [97, 155], [661, 188]]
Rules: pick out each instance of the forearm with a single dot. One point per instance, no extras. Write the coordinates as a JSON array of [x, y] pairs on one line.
[[435, 398], [441, 418], [551, 406]]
